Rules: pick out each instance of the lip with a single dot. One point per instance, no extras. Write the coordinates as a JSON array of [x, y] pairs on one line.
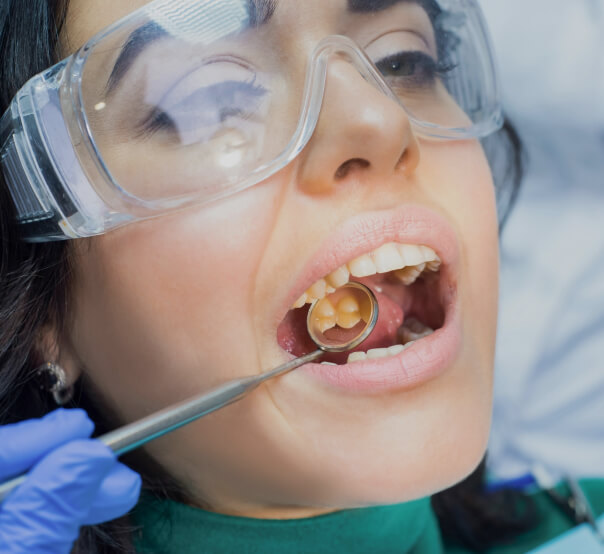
[[428, 357]]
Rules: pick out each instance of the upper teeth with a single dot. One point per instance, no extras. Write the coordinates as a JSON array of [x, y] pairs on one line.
[[406, 260]]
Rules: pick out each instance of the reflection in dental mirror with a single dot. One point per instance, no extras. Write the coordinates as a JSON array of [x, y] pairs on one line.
[[343, 319]]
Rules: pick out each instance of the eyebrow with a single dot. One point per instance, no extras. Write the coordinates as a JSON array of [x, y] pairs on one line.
[[259, 13], [368, 6], [138, 41]]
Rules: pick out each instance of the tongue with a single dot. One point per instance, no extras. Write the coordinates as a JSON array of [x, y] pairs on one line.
[[293, 336]]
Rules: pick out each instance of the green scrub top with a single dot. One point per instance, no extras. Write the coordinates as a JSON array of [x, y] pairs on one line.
[[167, 527]]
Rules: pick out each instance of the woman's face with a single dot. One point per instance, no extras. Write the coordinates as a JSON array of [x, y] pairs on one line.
[[167, 308]]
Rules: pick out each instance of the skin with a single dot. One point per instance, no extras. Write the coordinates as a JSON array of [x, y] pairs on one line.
[[166, 308]]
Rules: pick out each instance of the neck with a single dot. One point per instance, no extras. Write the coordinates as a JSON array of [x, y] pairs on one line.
[[271, 512]]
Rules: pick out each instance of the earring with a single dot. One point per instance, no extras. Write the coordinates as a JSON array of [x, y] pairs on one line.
[[53, 379]]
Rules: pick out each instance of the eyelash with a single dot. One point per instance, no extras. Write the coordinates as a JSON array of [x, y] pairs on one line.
[[429, 68], [158, 120]]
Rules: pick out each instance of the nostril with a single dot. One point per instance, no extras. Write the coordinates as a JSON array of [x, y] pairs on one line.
[[409, 160], [350, 165]]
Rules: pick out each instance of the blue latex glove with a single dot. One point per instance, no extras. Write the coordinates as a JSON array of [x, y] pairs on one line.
[[72, 481]]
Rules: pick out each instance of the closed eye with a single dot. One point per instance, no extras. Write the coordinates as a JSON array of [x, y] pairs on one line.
[[205, 109]]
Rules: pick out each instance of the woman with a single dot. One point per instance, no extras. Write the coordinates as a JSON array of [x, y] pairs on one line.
[[220, 165]]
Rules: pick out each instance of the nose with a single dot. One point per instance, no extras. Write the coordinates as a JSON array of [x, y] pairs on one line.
[[359, 130]]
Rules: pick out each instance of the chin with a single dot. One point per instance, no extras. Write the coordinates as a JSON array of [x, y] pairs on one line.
[[440, 443], [400, 484]]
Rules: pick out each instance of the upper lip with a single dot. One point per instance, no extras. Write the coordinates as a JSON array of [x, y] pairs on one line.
[[410, 224]]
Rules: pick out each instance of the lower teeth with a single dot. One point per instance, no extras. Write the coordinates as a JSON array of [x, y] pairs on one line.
[[377, 353], [411, 331]]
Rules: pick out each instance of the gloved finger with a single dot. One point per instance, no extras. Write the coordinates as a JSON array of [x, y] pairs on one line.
[[45, 513], [24, 443], [116, 496]]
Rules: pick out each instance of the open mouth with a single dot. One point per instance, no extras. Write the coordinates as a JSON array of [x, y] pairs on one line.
[[407, 282]]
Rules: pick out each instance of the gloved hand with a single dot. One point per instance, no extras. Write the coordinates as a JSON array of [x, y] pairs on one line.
[[72, 481]]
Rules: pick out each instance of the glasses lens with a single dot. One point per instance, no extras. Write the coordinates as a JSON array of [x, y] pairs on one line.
[[188, 102], [440, 67], [199, 98]]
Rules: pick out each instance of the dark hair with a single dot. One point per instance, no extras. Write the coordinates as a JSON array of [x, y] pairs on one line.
[[35, 280]]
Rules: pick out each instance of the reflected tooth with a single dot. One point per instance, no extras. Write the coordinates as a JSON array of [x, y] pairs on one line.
[[324, 308], [411, 254], [339, 277], [348, 304], [328, 363], [377, 353], [387, 258], [324, 315], [325, 324], [348, 321], [362, 266], [356, 357], [348, 313], [365, 309], [301, 301], [318, 289]]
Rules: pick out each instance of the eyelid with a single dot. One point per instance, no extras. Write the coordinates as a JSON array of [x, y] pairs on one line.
[[397, 40], [394, 31], [177, 89], [151, 123]]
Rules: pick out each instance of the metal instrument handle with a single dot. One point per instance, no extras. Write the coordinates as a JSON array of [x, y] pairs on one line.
[[138, 433]]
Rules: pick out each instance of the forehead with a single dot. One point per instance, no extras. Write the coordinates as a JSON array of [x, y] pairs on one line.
[[85, 18]]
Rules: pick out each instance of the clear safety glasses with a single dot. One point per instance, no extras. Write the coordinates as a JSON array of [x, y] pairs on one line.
[[186, 101]]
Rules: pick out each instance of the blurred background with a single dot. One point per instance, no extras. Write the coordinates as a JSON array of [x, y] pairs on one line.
[[549, 385]]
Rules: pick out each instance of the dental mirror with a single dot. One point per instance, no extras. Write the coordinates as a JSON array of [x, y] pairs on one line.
[[343, 319], [336, 323]]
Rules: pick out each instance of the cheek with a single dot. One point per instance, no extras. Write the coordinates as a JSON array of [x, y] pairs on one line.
[[160, 304], [477, 220], [479, 226], [467, 194]]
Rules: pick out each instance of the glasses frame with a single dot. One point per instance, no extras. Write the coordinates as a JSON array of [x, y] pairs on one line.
[[71, 193]]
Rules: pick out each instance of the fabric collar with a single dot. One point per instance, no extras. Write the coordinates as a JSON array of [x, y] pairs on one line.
[[168, 527]]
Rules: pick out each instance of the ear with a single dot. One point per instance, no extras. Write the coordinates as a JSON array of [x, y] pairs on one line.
[[52, 348]]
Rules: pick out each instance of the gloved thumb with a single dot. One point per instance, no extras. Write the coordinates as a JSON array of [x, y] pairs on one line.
[[63, 491], [27, 442]]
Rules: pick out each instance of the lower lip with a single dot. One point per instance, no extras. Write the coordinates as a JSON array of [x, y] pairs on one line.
[[423, 361]]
